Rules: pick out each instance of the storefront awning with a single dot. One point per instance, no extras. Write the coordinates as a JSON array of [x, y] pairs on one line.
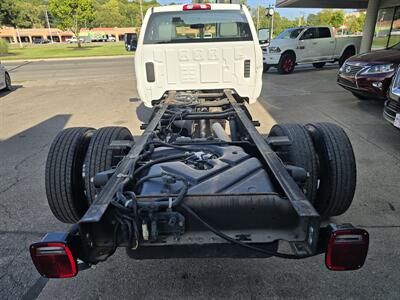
[[323, 3]]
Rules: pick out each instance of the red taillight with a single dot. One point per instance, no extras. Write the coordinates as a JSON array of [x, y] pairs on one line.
[[53, 260], [347, 249], [197, 6]]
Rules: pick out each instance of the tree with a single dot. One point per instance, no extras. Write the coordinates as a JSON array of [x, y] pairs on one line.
[[24, 14], [280, 23], [337, 18], [30, 13], [110, 14], [8, 12], [329, 17], [355, 23], [121, 13], [313, 20], [146, 5], [72, 14]]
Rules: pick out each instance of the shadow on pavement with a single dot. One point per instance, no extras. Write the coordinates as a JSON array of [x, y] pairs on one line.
[[303, 69], [13, 88], [24, 214]]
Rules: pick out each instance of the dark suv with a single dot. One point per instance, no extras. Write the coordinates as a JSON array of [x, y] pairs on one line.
[[391, 111], [368, 75]]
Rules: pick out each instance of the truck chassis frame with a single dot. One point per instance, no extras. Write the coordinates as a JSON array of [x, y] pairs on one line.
[[250, 225], [302, 233]]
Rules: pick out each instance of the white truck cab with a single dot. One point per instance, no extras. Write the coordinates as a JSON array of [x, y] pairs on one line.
[[198, 47], [309, 44]]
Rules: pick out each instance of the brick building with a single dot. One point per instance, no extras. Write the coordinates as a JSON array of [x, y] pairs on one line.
[[31, 34]]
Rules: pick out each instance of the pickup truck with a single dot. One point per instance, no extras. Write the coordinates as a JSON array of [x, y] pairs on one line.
[[74, 40], [304, 45], [200, 182]]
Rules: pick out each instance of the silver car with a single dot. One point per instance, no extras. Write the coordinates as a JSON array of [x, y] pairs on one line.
[[5, 79]]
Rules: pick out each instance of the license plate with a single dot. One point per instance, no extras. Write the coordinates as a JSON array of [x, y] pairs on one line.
[[397, 120]]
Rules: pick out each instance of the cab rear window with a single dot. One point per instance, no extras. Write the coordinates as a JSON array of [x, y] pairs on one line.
[[197, 26]]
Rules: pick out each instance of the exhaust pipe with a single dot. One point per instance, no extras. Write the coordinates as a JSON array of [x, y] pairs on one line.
[[220, 133]]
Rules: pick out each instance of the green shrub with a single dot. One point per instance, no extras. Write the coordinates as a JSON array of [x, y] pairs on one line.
[[3, 47]]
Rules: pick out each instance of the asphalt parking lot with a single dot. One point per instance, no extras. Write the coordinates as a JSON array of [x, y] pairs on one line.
[[50, 96]]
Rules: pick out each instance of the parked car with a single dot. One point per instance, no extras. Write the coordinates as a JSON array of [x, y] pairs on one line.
[[130, 40], [391, 111], [368, 75], [5, 79], [75, 40], [103, 38], [305, 45], [40, 41]]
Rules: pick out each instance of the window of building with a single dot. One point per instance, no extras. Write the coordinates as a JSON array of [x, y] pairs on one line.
[[395, 32], [386, 33]]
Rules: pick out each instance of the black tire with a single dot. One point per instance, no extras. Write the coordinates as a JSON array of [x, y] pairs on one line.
[[63, 177], [319, 65], [360, 97], [300, 153], [337, 169], [349, 52], [100, 158], [265, 68], [8, 82], [287, 63]]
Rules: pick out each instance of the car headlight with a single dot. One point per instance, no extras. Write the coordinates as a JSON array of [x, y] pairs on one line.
[[378, 69], [274, 49], [395, 89], [341, 69]]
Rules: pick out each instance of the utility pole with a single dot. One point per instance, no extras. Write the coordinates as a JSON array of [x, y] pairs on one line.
[[301, 18], [272, 27], [141, 9], [19, 37], [270, 14], [48, 26], [258, 17]]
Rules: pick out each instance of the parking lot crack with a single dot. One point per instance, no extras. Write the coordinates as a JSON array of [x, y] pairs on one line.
[[30, 156], [10, 263], [39, 233]]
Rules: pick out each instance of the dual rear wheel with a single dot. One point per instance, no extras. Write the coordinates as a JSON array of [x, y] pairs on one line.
[[75, 156], [325, 152]]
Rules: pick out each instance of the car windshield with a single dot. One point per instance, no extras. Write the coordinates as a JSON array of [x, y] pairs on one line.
[[197, 26], [290, 33]]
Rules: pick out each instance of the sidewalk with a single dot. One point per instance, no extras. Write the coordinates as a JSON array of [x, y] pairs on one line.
[[10, 62]]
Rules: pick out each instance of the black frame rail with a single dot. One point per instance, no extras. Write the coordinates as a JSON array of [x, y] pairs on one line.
[[309, 219]]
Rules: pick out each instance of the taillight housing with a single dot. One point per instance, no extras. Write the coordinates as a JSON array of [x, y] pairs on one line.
[[53, 259], [197, 6], [347, 249]]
